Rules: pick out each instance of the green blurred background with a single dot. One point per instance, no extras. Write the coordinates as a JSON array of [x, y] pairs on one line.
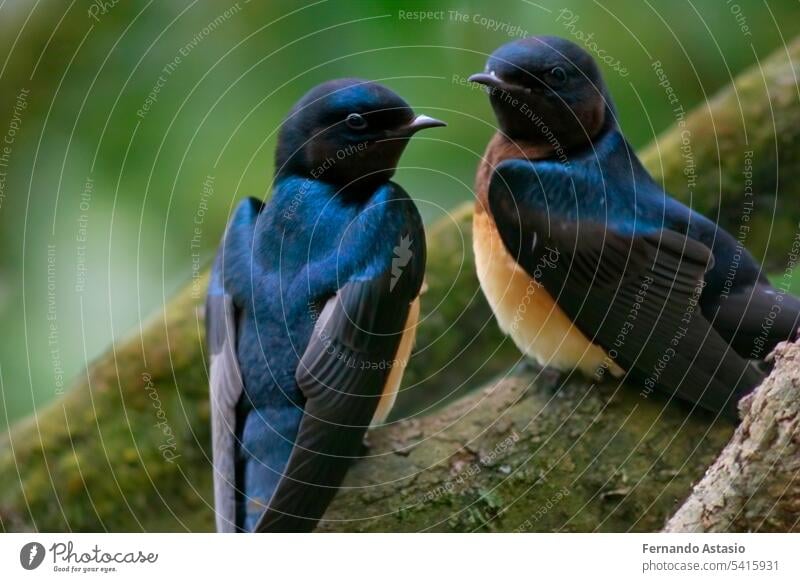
[[104, 212]]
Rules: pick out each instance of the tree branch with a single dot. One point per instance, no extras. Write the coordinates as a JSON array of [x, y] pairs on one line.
[[754, 485], [528, 453]]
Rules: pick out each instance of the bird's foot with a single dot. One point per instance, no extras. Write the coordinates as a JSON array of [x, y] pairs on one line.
[[366, 445], [551, 379], [527, 366], [546, 377]]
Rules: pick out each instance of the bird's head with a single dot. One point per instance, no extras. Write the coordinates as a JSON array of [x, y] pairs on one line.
[[547, 90], [347, 132]]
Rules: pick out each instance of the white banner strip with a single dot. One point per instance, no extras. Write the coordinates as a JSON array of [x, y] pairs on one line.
[[401, 557]]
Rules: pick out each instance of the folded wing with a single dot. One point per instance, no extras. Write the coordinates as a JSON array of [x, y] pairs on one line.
[[631, 289], [342, 375]]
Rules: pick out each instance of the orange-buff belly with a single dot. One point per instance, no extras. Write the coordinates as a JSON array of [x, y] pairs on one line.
[[527, 312]]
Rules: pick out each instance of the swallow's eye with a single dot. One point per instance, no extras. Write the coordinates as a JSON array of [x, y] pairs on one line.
[[355, 121], [556, 77]]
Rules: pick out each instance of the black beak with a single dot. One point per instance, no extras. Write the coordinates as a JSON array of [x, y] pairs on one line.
[[420, 122], [494, 82]]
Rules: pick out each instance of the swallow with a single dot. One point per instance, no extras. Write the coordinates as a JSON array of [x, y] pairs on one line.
[[589, 264], [312, 308]]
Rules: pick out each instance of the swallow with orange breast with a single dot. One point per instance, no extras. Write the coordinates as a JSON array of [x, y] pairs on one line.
[[588, 264], [312, 308]]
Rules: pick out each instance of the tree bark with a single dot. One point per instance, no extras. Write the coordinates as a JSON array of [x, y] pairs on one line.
[[754, 485], [531, 453], [126, 449]]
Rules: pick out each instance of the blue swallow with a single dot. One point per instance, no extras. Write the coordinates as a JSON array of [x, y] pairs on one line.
[[588, 264], [312, 308]]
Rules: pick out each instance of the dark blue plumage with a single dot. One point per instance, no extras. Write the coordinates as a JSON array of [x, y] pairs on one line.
[[288, 267], [607, 184], [631, 263]]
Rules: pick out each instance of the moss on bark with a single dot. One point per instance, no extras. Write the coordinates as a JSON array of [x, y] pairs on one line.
[[528, 453]]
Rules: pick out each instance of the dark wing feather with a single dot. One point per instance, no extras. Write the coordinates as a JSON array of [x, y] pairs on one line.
[[342, 375], [225, 381], [755, 319], [635, 295]]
